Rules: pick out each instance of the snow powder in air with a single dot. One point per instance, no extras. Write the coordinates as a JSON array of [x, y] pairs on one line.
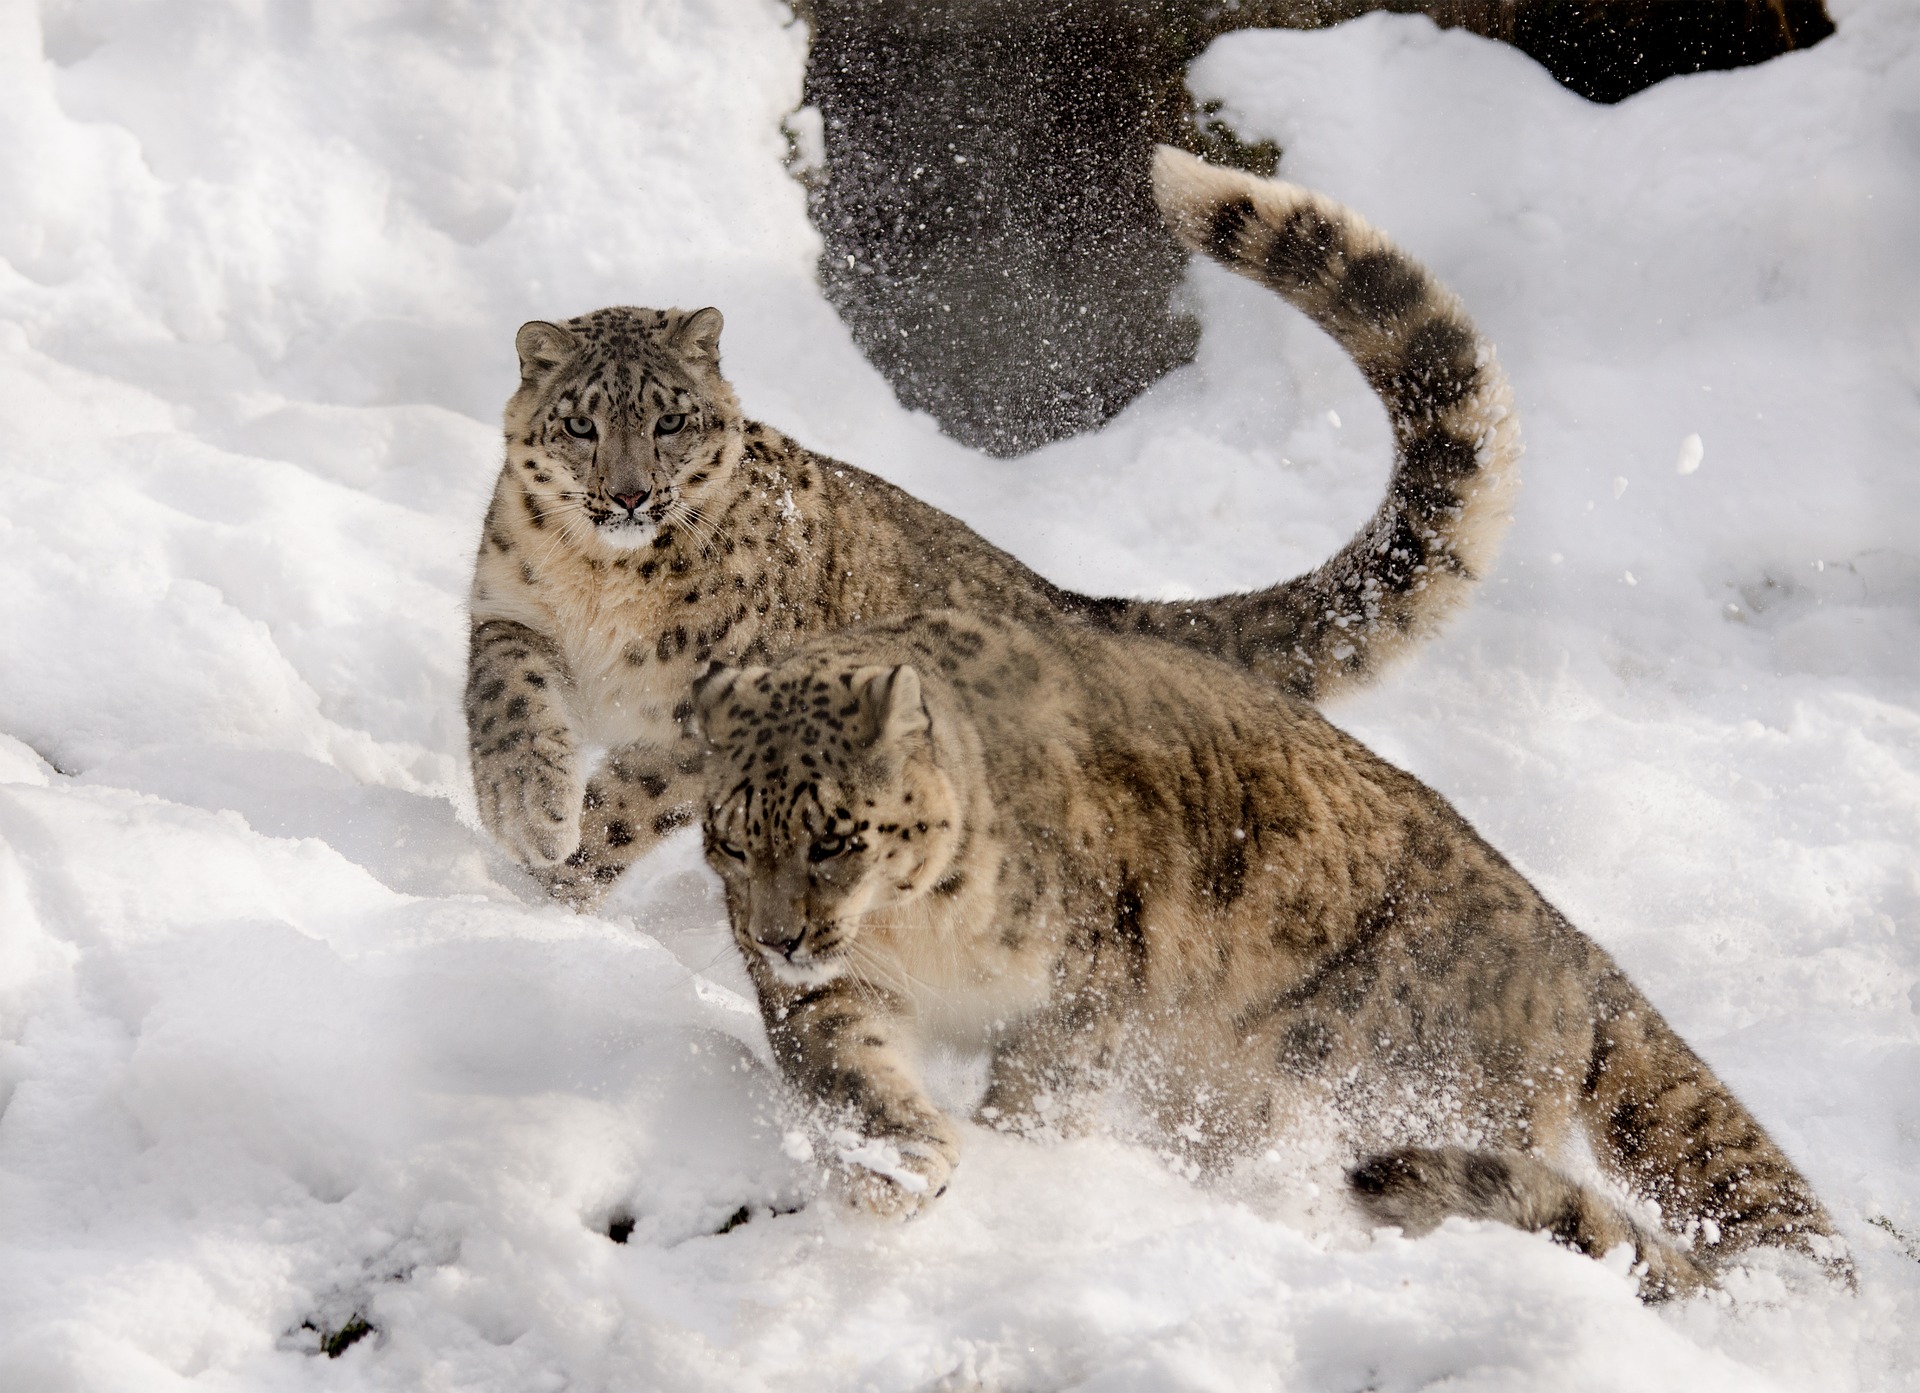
[[289, 1053]]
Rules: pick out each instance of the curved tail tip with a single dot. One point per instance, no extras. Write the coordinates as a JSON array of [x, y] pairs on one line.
[[1170, 162], [1183, 184], [1190, 192]]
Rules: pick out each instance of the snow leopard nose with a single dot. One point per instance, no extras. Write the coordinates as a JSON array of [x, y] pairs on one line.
[[780, 941], [630, 501]]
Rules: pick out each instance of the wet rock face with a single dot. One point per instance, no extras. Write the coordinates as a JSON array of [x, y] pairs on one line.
[[1606, 50], [990, 235], [981, 185]]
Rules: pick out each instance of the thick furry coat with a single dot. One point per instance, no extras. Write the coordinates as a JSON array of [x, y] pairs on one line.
[[1115, 862], [642, 527]]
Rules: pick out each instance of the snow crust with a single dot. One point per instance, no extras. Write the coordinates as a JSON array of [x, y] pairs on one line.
[[284, 1042]]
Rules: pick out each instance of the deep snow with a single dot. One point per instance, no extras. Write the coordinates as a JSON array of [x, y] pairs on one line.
[[282, 1040]]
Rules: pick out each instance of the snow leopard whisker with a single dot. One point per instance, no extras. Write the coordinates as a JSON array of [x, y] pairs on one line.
[[704, 530], [896, 975]]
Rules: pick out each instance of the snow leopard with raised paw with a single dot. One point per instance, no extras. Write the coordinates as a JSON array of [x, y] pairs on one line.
[[1119, 865], [641, 526]]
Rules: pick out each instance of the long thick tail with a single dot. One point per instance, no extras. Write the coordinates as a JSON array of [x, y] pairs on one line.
[[1456, 439]]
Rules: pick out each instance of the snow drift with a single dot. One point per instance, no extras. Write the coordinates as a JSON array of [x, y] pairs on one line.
[[289, 1053]]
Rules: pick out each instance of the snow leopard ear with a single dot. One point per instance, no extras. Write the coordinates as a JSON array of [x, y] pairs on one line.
[[711, 688], [892, 703], [699, 335], [542, 348]]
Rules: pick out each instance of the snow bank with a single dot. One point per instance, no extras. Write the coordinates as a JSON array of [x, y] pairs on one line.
[[284, 1043]]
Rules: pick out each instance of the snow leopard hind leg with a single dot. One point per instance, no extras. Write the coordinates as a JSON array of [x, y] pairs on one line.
[[1661, 1124], [1417, 1188]]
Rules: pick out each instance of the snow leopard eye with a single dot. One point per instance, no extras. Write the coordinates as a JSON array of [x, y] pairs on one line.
[[580, 427], [729, 849], [670, 423], [827, 848]]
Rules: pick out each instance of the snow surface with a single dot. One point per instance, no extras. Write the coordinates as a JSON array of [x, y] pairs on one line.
[[284, 1041]]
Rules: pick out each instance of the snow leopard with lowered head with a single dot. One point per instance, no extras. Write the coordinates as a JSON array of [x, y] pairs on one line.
[[642, 526], [1119, 865]]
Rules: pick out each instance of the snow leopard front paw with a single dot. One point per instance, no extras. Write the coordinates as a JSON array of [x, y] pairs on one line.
[[533, 810], [521, 743], [894, 1178]]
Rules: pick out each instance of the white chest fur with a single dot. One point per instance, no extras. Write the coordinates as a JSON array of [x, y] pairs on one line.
[[608, 622]]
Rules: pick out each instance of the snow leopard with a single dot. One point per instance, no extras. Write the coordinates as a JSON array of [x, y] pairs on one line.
[[642, 526], [1124, 868]]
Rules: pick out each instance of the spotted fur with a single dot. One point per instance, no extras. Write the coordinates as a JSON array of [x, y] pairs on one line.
[[1118, 864], [641, 526]]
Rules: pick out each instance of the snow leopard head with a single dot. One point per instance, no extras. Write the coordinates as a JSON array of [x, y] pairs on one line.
[[622, 425], [824, 804]]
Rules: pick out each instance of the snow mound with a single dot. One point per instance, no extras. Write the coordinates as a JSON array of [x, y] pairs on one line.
[[294, 1065]]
